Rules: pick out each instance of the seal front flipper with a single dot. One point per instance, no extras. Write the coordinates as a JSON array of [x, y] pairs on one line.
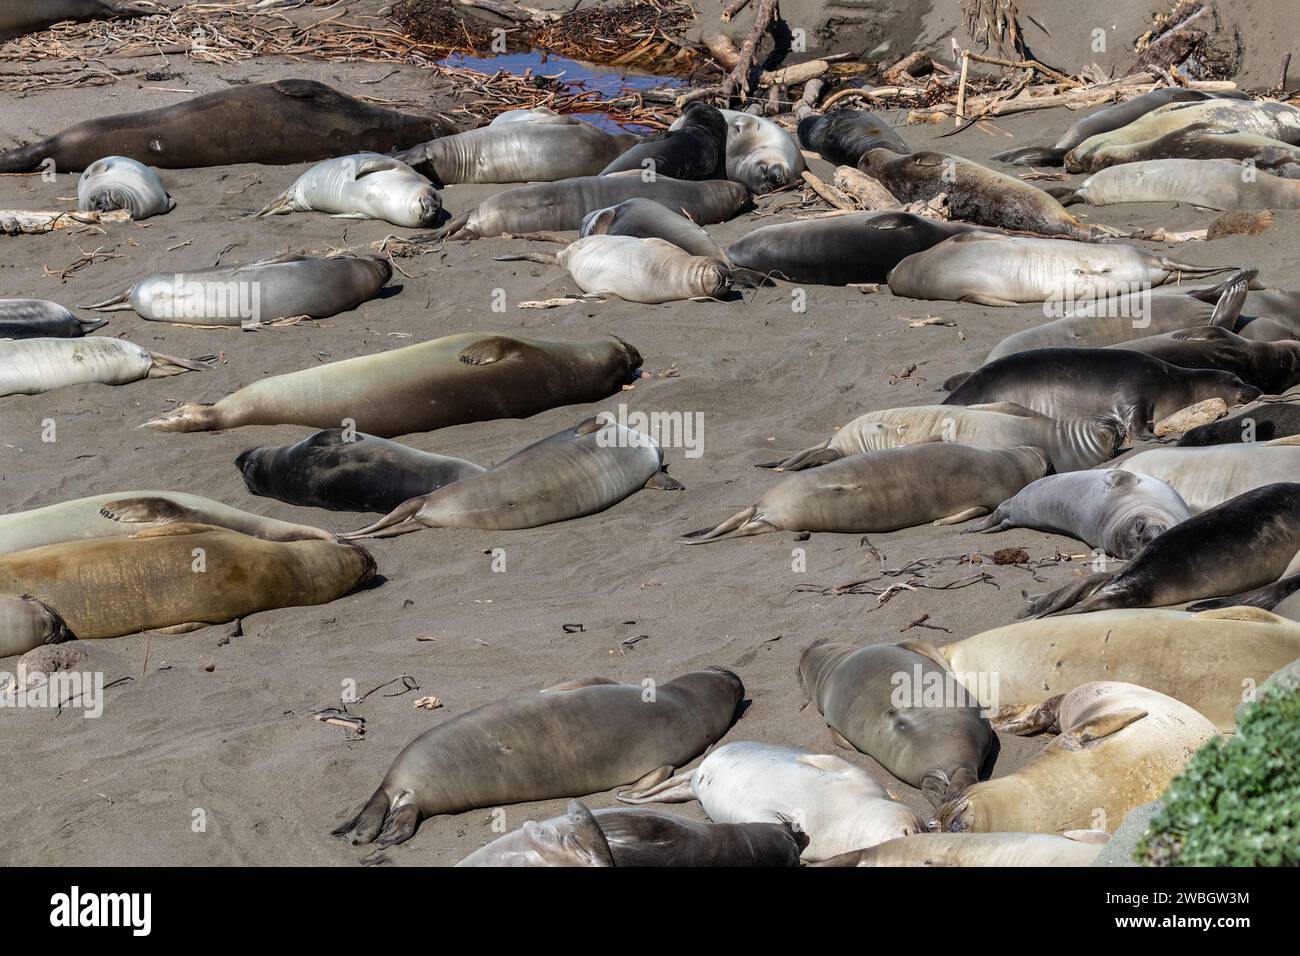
[[673, 790], [1026, 719], [582, 844], [183, 628], [979, 298], [840, 740], [485, 351], [1102, 726], [138, 510], [1265, 598], [808, 458]]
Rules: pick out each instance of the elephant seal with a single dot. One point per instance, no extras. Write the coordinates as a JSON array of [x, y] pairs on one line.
[[578, 472], [1208, 660], [1103, 121], [288, 286], [562, 205], [1205, 141], [875, 700], [641, 838], [650, 271], [887, 490], [469, 377], [26, 623], [575, 738], [1257, 423], [121, 514], [32, 366], [1119, 747], [1209, 476], [1272, 367], [40, 319], [1117, 511], [310, 120], [977, 849], [1071, 444], [1114, 319], [696, 149], [363, 186], [109, 587], [647, 219], [1246, 542], [1133, 388], [116, 182], [991, 269], [533, 149], [976, 193], [839, 806], [844, 135], [342, 471], [839, 250], [20, 17], [760, 154], [1212, 183], [1274, 120]]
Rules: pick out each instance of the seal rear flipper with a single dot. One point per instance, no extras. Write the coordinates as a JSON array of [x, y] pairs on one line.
[[740, 525], [401, 520], [743, 278], [185, 417], [1102, 726], [279, 206], [118, 303], [999, 520], [90, 325], [975, 512], [1033, 156], [840, 740], [938, 788], [1027, 718], [808, 458], [673, 790], [1266, 598], [458, 228], [1067, 596], [1065, 195], [662, 481], [165, 366], [1227, 310], [365, 826], [400, 824]]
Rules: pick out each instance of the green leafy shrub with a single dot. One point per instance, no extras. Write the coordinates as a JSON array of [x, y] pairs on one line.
[[1237, 802]]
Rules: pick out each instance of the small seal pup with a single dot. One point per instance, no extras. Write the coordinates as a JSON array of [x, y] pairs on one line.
[[695, 149], [578, 472], [40, 319], [575, 738], [116, 182], [1117, 511], [363, 186]]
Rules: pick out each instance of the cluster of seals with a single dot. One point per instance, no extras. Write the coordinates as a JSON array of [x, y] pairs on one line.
[[760, 154], [1074, 848], [1272, 367]]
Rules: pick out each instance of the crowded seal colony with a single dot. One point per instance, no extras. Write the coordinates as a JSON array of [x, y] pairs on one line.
[[306, 319]]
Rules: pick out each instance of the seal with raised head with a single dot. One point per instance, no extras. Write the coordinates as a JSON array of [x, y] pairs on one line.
[[647, 219], [341, 470], [41, 319], [839, 806], [578, 737], [1256, 423], [306, 121], [152, 580], [578, 472], [1272, 367], [1119, 746], [876, 700], [1212, 183], [695, 149], [283, 287], [1212, 474], [1071, 443], [1117, 511], [364, 186], [116, 182], [1133, 388], [32, 366], [839, 250], [642, 837], [886, 490], [469, 377], [19, 17], [844, 135], [1075, 848], [1204, 659], [123, 513]]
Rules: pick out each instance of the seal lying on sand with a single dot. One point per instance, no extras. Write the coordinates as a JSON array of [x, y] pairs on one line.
[[470, 377], [938, 745], [886, 490], [309, 121], [578, 472], [180, 577], [1272, 367], [1071, 444], [364, 186], [1076, 848], [1212, 183], [839, 806], [575, 738], [343, 471], [19, 17], [1119, 746], [694, 149], [1117, 511], [1209, 476], [32, 366], [760, 154], [844, 135], [641, 838], [40, 319], [1203, 659], [1133, 388], [1256, 423], [1205, 141], [647, 219], [26, 623], [116, 182]]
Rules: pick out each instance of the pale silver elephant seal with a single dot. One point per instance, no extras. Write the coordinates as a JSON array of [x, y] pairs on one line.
[[642, 837], [575, 738], [886, 490], [40, 319], [1212, 183], [1117, 511], [32, 366], [578, 472], [116, 182], [25, 623], [363, 186], [1075, 848]]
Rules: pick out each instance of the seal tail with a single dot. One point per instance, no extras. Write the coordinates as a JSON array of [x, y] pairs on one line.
[[1033, 156], [1073, 598], [742, 523], [999, 520], [382, 821], [90, 325], [185, 417], [808, 458], [118, 303], [165, 366], [401, 520], [458, 228]]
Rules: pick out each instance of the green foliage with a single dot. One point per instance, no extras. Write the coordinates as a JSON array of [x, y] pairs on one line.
[[1237, 802]]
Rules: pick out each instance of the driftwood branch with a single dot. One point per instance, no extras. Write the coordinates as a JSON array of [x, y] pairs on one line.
[[18, 222], [739, 75]]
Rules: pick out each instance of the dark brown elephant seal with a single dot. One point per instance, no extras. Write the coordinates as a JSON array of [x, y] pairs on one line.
[[844, 135], [470, 377], [695, 150], [1272, 367], [575, 738], [347, 471], [288, 121], [20, 17], [877, 700], [1257, 423]]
